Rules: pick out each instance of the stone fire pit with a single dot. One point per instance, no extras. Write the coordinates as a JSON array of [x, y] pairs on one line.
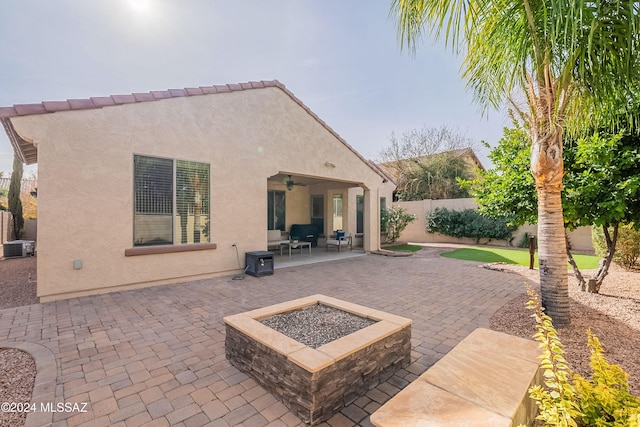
[[317, 383]]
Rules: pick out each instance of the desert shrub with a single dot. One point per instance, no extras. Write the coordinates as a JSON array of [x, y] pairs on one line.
[[393, 221], [568, 399], [468, 223], [627, 247]]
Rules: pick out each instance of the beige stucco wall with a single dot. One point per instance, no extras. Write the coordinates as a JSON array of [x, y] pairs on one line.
[[580, 238], [85, 168]]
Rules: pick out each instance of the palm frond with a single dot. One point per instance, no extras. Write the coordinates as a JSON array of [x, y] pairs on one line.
[[583, 56], [449, 19]]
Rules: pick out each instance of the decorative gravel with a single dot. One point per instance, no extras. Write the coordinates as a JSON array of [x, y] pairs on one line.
[[613, 315], [17, 282], [317, 325], [17, 376]]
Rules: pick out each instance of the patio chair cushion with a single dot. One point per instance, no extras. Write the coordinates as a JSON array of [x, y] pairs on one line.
[[275, 238], [341, 240]]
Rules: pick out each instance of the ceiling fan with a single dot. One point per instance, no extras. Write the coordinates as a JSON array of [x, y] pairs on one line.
[[289, 183]]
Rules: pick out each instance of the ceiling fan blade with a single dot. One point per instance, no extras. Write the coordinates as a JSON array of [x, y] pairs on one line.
[[290, 183]]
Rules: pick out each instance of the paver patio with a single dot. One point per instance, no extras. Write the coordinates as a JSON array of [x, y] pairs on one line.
[[156, 356]]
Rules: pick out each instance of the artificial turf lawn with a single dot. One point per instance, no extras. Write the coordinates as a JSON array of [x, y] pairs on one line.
[[408, 248], [513, 256]]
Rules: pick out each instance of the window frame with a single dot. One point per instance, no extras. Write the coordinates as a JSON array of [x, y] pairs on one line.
[[273, 196], [359, 214], [173, 246], [337, 211], [318, 221]]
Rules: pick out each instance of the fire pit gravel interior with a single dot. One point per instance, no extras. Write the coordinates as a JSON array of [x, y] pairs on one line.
[[315, 383], [317, 324]]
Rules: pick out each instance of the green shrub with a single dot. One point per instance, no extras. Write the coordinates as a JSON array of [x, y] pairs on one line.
[[393, 221], [468, 223], [605, 399], [627, 247], [568, 399]]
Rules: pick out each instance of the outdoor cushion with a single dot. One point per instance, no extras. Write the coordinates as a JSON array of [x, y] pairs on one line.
[[341, 240], [275, 238]]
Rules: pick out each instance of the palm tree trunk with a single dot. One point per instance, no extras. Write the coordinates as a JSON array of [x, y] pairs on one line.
[[552, 258], [547, 169]]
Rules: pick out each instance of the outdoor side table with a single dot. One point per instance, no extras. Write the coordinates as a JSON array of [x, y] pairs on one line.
[[295, 245]]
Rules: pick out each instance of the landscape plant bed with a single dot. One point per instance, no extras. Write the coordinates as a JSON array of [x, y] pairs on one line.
[[403, 248], [316, 383]]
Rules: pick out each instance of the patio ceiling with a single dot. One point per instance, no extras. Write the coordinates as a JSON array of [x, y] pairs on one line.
[[280, 178]]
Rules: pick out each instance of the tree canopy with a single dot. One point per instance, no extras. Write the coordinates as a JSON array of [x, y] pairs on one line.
[[508, 189], [601, 181], [427, 163]]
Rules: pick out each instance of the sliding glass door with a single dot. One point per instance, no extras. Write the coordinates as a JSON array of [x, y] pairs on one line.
[[276, 208]]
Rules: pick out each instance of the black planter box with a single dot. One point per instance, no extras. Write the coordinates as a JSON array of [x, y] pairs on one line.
[[259, 263]]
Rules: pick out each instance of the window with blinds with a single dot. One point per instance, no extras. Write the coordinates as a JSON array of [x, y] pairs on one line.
[[171, 201]]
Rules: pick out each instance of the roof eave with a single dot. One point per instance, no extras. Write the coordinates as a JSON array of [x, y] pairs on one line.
[[26, 151]]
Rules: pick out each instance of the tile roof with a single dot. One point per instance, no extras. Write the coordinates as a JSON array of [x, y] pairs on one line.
[[107, 101], [26, 185], [466, 153], [28, 153]]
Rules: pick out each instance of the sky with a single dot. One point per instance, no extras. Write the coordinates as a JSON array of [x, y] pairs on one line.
[[341, 58]]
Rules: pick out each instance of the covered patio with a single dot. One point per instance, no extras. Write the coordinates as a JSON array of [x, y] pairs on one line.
[[326, 204], [318, 254]]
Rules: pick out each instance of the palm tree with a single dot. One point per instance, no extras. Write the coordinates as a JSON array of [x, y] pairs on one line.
[[556, 62]]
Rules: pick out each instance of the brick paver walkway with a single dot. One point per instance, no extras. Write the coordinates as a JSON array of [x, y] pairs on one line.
[[155, 356]]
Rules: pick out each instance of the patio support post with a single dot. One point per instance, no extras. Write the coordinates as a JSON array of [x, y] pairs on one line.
[[371, 238]]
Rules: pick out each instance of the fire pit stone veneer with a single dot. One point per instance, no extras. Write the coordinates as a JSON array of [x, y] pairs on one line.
[[317, 383]]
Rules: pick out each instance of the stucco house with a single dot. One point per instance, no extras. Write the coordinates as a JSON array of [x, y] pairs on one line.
[[154, 188]]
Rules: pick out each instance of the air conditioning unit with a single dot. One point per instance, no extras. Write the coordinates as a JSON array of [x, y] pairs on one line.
[[19, 248]]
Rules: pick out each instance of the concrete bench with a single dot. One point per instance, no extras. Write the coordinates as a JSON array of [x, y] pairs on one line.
[[482, 381]]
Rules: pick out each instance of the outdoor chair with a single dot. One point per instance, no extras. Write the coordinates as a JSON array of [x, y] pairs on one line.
[[340, 240], [275, 238]]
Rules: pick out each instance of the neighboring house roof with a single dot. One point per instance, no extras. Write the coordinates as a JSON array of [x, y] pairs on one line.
[[469, 154], [391, 167], [28, 153], [26, 186], [383, 172]]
